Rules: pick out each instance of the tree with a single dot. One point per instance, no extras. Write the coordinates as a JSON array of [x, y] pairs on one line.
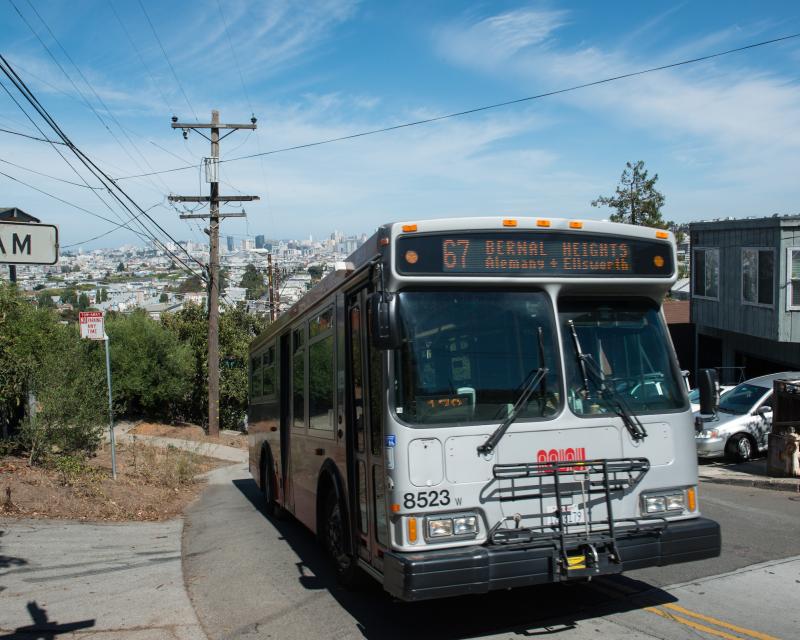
[[163, 297], [315, 271], [103, 295], [38, 355], [70, 296], [45, 301], [192, 283], [152, 370], [120, 267], [637, 201], [253, 281], [83, 302]]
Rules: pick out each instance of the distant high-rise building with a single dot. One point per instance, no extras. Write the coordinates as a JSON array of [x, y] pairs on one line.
[[259, 242], [247, 244], [230, 244]]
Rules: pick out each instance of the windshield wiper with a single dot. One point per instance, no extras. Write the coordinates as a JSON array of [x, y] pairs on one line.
[[529, 385], [613, 400], [531, 382]]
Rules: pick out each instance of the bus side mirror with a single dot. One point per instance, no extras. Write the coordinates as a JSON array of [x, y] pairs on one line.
[[708, 385], [383, 319]]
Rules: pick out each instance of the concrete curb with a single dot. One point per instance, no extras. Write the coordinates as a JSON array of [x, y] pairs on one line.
[[791, 485]]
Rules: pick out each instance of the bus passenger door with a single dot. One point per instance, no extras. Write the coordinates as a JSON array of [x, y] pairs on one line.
[[357, 461], [365, 436]]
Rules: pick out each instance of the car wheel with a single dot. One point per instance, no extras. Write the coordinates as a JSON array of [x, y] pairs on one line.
[[335, 541], [740, 448]]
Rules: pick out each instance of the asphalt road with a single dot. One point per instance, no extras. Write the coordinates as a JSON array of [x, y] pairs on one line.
[[249, 576]]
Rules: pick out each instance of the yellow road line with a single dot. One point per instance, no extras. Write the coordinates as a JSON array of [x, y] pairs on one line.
[[693, 625], [727, 625]]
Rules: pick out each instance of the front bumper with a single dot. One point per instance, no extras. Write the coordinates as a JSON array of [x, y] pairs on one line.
[[710, 447], [453, 572]]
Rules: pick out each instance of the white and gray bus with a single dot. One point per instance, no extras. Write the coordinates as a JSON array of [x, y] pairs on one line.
[[483, 403]]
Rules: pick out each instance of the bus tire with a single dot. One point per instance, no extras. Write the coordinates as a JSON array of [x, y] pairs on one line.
[[741, 448], [272, 508], [334, 538]]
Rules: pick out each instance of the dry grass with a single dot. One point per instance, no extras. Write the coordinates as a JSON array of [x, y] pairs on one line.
[[152, 484], [188, 432]]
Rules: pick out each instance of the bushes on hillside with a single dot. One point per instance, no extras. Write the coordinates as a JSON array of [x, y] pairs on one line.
[[159, 372]]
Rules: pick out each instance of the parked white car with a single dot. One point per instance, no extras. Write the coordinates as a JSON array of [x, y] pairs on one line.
[[743, 421], [694, 395]]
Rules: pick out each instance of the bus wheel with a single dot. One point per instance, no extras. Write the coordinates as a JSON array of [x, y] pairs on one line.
[[267, 477], [335, 541]]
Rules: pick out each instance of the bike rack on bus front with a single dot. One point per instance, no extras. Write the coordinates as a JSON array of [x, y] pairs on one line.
[[586, 478]]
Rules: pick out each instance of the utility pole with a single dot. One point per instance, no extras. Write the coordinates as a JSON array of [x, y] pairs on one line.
[[214, 216]]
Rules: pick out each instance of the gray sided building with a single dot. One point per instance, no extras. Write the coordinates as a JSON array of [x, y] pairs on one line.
[[745, 295]]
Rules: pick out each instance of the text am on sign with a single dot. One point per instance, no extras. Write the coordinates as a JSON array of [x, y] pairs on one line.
[[28, 243]]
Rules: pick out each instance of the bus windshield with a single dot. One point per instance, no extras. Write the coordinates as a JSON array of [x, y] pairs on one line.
[[629, 346], [467, 354]]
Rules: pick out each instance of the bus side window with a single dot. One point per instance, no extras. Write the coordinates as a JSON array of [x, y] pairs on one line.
[[358, 376]]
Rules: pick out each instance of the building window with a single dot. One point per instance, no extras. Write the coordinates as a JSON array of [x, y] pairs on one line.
[[705, 273], [758, 276], [793, 280]]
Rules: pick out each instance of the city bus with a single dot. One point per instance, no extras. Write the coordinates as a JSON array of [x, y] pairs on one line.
[[472, 404]]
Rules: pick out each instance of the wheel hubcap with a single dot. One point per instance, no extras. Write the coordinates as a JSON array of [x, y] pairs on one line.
[[335, 537], [744, 448]]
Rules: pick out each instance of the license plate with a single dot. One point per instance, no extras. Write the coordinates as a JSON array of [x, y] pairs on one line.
[[573, 515]]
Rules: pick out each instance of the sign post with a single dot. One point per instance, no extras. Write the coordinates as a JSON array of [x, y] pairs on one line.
[[93, 327]]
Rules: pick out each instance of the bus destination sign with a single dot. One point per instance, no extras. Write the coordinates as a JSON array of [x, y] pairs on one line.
[[531, 253]]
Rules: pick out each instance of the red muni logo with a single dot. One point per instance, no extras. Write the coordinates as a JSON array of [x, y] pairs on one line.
[[570, 454]]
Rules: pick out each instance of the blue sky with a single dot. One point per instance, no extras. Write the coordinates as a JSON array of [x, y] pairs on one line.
[[723, 135]]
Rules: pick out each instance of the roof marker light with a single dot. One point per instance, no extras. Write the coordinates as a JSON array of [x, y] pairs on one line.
[[662, 234], [575, 224], [509, 222], [409, 228], [541, 222]]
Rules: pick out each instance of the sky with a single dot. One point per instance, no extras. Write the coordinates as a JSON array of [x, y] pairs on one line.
[[722, 135]]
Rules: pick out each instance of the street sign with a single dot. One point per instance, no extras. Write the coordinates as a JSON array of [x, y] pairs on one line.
[[92, 325], [28, 243]]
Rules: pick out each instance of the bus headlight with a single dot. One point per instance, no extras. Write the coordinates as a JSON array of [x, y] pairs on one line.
[[452, 526], [440, 527], [465, 525], [669, 501]]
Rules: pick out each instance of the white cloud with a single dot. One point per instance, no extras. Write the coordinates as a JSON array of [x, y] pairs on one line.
[[745, 120]]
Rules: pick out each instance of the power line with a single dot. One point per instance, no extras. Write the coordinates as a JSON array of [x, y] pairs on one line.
[[496, 105], [75, 206], [108, 111], [166, 57], [98, 173], [76, 184], [141, 58], [25, 135], [102, 235], [235, 57]]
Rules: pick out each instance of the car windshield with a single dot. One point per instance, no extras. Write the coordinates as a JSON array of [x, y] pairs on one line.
[[629, 345], [741, 399], [466, 356]]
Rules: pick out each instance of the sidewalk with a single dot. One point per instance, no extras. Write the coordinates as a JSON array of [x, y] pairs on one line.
[[211, 450], [746, 474]]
